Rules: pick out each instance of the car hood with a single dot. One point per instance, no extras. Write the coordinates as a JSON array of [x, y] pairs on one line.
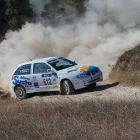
[[78, 69]]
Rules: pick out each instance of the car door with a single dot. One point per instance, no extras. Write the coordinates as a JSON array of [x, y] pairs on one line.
[[42, 77]]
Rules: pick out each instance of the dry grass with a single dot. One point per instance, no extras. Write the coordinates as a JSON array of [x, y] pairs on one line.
[[97, 120], [127, 69]]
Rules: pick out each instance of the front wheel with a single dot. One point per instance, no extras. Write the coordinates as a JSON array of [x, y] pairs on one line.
[[67, 87], [20, 92]]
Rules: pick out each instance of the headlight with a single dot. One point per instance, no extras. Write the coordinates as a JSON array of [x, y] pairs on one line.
[[81, 76]]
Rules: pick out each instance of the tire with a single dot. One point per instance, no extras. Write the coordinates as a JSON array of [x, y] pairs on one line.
[[20, 92], [93, 85], [67, 87]]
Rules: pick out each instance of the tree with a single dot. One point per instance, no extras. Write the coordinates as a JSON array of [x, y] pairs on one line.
[[2, 16], [78, 4], [60, 8], [17, 12], [13, 14]]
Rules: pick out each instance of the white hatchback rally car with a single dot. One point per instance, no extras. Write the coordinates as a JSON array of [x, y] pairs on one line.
[[53, 74]]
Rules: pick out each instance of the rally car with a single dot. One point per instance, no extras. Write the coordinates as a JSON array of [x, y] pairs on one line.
[[53, 74]]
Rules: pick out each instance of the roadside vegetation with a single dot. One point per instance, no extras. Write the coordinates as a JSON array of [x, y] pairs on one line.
[[55, 10], [98, 120], [13, 14], [127, 69]]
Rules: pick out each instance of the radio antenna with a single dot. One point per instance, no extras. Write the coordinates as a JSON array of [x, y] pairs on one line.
[[24, 54], [28, 57]]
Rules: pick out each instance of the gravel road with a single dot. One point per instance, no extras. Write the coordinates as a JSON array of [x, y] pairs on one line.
[[104, 90]]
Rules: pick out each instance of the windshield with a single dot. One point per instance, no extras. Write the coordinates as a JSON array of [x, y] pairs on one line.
[[61, 63]]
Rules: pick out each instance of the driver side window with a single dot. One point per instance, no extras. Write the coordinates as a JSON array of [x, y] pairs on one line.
[[40, 68]]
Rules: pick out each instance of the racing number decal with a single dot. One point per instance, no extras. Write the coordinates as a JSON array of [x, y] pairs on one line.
[[47, 81]]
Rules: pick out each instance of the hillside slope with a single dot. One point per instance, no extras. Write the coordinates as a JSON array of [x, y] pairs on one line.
[[127, 68]]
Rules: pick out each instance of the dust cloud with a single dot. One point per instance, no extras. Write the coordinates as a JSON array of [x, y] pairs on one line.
[[107, 29]]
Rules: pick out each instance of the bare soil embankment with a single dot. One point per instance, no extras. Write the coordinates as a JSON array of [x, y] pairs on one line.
[[127, 69]]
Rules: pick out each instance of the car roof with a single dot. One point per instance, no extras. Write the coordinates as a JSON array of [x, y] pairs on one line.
[[39, 60]]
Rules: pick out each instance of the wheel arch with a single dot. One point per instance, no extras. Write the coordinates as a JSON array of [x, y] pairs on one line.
[[19, 85], [62, 82]]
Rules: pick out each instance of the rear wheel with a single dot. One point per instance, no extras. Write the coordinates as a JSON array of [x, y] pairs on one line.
[[20, 92], [67, 87]]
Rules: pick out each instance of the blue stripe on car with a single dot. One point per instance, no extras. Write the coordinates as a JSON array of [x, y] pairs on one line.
[[92, 68]]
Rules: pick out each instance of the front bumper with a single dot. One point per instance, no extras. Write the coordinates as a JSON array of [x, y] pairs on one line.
[[92, 80], [84, 82]]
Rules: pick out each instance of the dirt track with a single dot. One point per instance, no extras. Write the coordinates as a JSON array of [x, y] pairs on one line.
[[103, 90]]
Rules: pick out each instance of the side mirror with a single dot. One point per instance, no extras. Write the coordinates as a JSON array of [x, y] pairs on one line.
[[49, 70]]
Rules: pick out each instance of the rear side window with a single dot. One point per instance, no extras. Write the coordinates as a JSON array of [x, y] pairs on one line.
[[23, 70], [40, 68]]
